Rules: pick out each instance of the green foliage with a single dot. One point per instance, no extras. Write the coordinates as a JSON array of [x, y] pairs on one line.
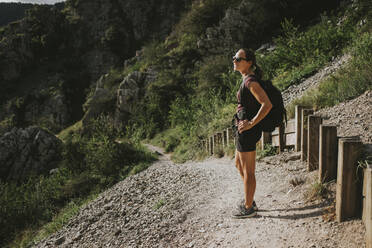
[[30, 203], [318, 190], [268, 150], [198, 117], [91, 163], [203, 14], [300, 54], [159, 204], [348, 83], [210, 73], [6, 124]]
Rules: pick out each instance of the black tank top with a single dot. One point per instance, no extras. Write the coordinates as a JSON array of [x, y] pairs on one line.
[[246, 99]]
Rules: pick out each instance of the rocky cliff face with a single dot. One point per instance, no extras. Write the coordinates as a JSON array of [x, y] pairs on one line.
[[29, 151], [117, 28], [253, 22], [80, 43]]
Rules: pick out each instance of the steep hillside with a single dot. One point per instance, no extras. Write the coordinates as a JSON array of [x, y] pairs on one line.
[[117, 72], [54, 56]]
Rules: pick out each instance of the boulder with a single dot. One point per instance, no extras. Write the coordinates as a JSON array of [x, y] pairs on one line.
[[29, 151]]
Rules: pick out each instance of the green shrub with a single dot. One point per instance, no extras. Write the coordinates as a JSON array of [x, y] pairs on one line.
[[91, 163], [203, 14], [209, 74], [347, 83], [268, 150], [300, 54]]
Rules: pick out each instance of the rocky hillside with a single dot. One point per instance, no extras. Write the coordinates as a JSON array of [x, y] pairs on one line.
[[52, 56]]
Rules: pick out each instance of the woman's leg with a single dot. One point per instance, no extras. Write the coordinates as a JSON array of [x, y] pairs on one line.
[[238, 164], [248, 164]]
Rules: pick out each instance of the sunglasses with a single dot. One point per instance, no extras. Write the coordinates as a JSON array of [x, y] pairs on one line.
[[238, 59]]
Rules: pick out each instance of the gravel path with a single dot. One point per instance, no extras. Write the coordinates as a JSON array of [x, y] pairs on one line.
[[190, 205]]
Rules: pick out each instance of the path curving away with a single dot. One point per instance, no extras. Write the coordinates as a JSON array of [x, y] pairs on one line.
[[190, 205]]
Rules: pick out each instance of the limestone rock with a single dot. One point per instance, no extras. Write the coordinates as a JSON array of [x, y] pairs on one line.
[[130, 93], [99, 102], [28, 151]]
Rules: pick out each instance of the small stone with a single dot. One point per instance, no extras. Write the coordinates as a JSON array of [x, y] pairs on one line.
[[60, 240], [118, 231], [191, 244]]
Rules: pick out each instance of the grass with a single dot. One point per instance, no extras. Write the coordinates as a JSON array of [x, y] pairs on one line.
[[348, 83], [268, 150], [317, 191], [73, 129], [91, 164], [32, 236], [159, 204]]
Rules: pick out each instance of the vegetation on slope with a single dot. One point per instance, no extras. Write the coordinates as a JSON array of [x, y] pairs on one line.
[[299, 52], [92, 162], [192, 97]]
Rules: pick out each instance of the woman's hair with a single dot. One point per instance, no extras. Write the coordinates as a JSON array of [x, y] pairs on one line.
[[249, 54]]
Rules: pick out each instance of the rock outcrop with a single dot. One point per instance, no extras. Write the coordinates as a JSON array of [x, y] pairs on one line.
[[29, 151], [82, 42], [100, 102], [130, 93], [45, 108], [253, 22]]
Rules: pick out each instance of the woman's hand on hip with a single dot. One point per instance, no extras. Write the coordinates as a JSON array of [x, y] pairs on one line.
[[244, 125]]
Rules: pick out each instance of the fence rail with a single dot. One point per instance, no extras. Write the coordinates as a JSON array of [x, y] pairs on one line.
[[335, 158]]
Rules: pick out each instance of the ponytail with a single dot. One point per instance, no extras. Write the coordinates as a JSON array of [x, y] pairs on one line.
[[258, 71], [249, 54]]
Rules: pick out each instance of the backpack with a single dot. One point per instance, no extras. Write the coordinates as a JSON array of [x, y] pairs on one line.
[[277, 114]]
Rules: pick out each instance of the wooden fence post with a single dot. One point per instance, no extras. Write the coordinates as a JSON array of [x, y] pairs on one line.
[[211, 149], [214, 143], [305, 114], [265, 139], [367, 205], [224, 138], [313, 142], [348, 188], [230, 136], [298, 127], [219, 136], [281, 138], [328, 150]]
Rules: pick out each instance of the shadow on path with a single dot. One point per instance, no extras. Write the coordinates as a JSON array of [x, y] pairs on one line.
[[294, 209], [296, 216]]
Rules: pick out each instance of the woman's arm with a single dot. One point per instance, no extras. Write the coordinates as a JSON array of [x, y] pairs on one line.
[[266, 106]]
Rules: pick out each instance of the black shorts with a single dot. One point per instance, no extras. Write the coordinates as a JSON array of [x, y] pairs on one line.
[[246, 141]]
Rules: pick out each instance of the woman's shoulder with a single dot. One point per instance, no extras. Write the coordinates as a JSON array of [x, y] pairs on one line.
[[249, 80]]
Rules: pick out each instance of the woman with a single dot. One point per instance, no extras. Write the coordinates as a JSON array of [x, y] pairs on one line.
[[253, 106]]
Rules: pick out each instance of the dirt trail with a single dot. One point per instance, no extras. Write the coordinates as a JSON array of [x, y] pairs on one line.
[[190, 205], [284, 219]]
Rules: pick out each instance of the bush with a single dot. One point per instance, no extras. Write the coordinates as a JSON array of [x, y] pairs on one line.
[[349, 82], [268, 150], [91, 163], [203, 14], [300, 54]]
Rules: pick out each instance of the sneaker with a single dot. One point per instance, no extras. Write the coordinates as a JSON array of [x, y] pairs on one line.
[[242, 203], [243, 213]]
